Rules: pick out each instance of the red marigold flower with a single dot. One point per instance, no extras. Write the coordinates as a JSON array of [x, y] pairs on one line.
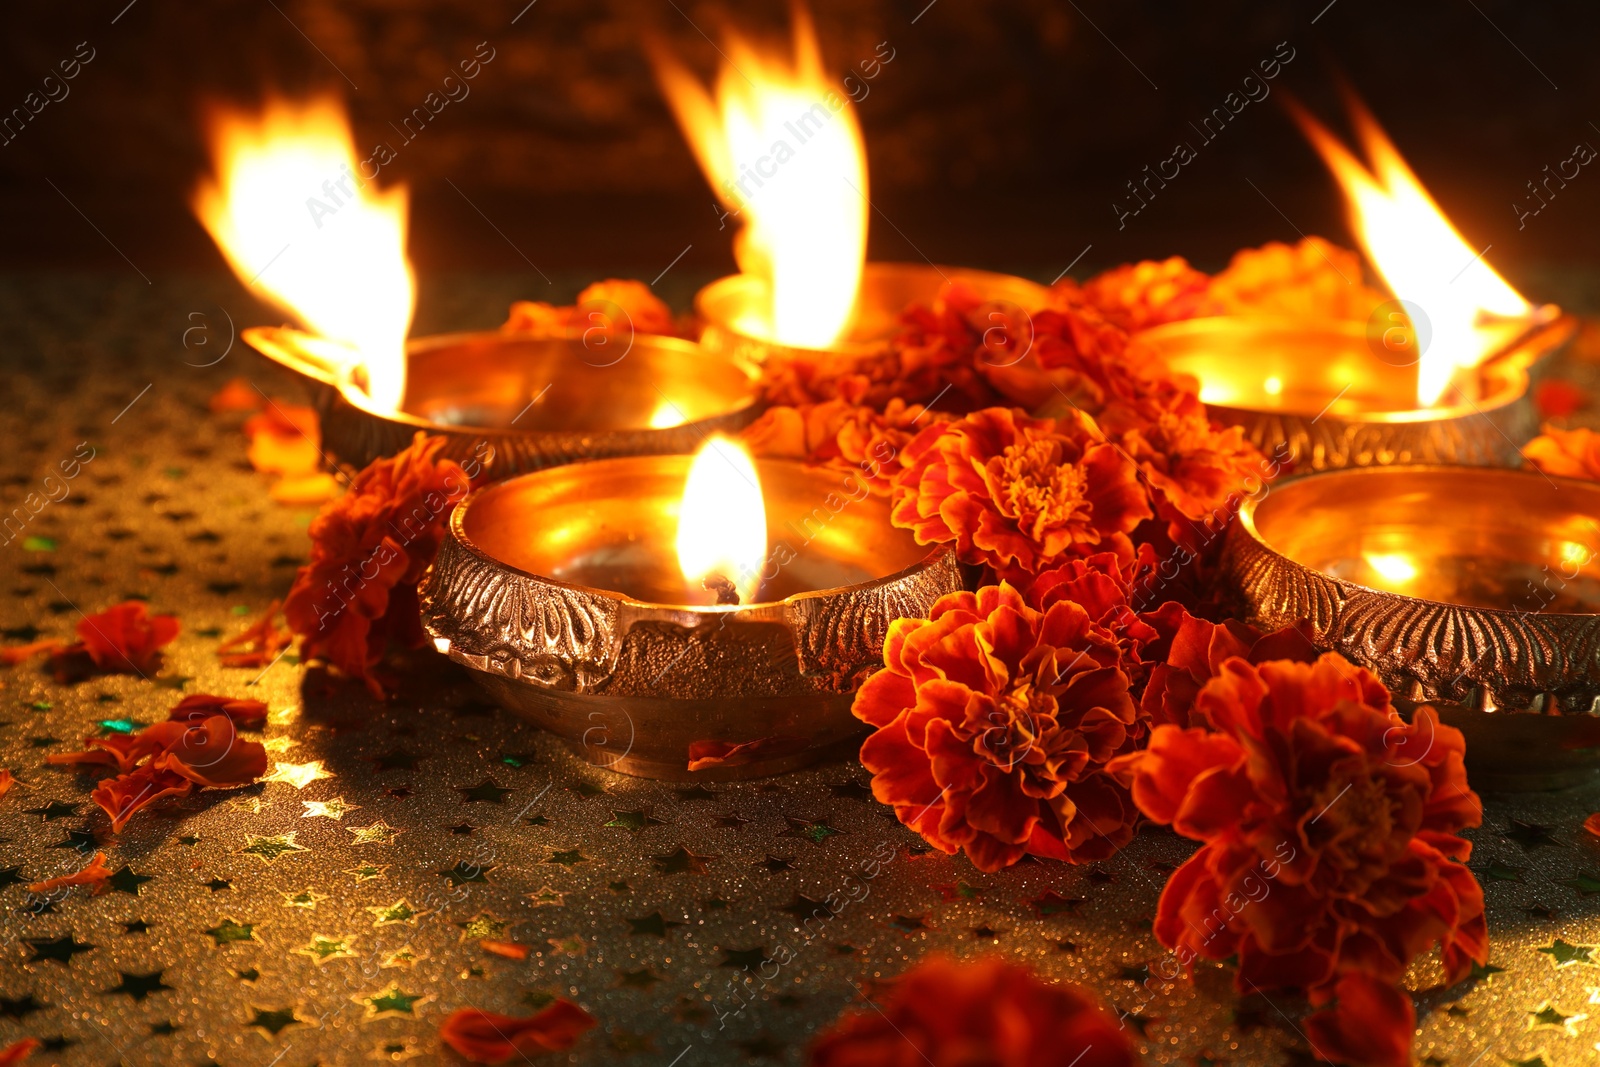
[[7, 780], [1592, 824], [123, 753], [1370, 1022], [1311, 279], [125, 795], [197, 707], [1136, 296], [1329, 827], [1000, 1014], [1197, 651], [993, 723], [862, 444], [213, 754], [1198, 473], [94, 873], [1565, 453], [259, 644], [126, 638], [613, 306], [485, 1037], [368, 549], [1010, 490]]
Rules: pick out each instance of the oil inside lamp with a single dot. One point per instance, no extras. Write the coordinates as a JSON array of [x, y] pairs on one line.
[[296, 221]]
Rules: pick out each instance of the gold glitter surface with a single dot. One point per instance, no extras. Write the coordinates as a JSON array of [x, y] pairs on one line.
[[334, 914]]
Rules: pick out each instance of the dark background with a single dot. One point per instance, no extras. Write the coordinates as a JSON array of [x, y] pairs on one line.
[[999, 136]]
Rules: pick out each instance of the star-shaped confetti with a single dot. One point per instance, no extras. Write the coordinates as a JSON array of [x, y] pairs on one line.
[[404, 956], [330, 809], [777, 864], [396, 1049], [745, 958], [298, 775], [546, 897], [1531, 1061], [271, 846], [464, 872], [805, 908], [217, 885], [391, 1001], [325, 949], [400, 911], [1563, 954], [816, 832], [54, 810], [395, 760], [1585, 882], [379, 833], [125, 881], [567, 857], [367, 871], [484, 926], [1548, 1015], [1483, 972], [60, 949], [569, 946], [1529, 835], [135, 926], [682, 862], [1500, 872], [20, 1008], [228, 932], [643, 978], [139, 986], [654, 923], [485, 791], [1052, 903], [306, 898], [632, 820], [274, 1020], [731, 822]]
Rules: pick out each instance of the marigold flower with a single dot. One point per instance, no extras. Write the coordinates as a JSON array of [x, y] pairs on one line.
[[258, 644], [1565, 453], [123, 753], [7, 780], [213, 754], [1013, 490], [1329, 829], [860, 443], [368, 550], [1557, 398], [1000, 1014], [485, 1037], [1137, 296], [124, 796], [1106, 586], [993, 723], [18, 1051], [620, 306], [197, 707], [125, 638], [1311, 279]]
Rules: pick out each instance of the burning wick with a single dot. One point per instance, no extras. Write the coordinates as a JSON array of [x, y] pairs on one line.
[[727, 593]]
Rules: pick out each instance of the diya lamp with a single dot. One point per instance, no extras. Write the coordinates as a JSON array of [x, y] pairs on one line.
[[1474, 589], [779, 144], [1441, 376], [679, 617], [520, 401]]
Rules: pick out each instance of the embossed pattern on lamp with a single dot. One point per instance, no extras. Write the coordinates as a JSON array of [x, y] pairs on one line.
[[1475, 589], [562, 591]]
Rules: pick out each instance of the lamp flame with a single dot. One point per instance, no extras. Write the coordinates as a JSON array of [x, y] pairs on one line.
[[783, 151], [1422, 258], [295, 220], [722, 525]]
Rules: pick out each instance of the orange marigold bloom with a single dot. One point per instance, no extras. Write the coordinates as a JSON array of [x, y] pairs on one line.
[[197, 707], [1330, 837], [485, 1037], [991, 1012], [7, 780], [1565, 453], [1013, 490], [213, 754], [1557, 398], [18, 1051], [619, 306], [95, 873], [124, 796], [860, 443], [259, 643], [1198, 473], [993, 722], [368, 549], [126, 638], [123, 753], [284, 439], [1311, 279], [1148, 293]]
